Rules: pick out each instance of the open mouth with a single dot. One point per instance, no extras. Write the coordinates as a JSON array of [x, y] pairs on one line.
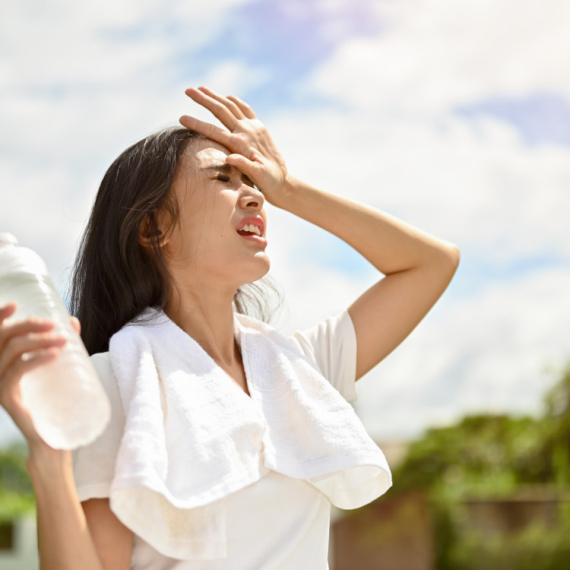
[[250, 230], [252, 236]]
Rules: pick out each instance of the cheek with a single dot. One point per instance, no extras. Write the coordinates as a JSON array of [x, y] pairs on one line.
[[208, 223]]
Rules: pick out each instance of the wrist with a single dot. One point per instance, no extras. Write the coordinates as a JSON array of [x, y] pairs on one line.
[[288, 189], [45, 460]]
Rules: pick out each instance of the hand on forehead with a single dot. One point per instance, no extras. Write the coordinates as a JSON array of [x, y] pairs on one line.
[[209, 156]]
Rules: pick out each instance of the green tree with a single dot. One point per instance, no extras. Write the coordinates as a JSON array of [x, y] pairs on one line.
[[555, 454], [494, 453], [16, 490], [488, 456], [483, 453]]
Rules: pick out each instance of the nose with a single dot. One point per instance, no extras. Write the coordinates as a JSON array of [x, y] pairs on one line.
[[251, 198]]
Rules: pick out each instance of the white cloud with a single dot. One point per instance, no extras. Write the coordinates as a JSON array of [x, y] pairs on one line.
[[475, 184], [439, 54], [78, 77], [235, 76], [60, 42]]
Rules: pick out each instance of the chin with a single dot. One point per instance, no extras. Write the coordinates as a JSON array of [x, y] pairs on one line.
[[257, 270]]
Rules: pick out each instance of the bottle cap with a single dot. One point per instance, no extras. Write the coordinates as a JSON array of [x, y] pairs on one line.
[[7, 239]]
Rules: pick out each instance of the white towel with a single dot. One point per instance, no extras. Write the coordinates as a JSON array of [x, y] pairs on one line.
[[192, 435]]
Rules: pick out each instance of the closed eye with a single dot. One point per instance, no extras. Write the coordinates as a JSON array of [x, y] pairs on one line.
[[245, 180]]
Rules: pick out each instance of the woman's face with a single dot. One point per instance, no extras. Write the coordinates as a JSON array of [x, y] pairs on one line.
[[215, 200]]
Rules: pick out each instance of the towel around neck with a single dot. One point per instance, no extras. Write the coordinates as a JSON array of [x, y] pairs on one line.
[[193, 436]]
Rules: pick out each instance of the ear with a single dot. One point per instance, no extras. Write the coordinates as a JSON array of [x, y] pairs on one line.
[[149, 231]]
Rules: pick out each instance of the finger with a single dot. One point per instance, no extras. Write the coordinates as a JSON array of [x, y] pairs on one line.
[[244, 165], [75, 324], [244, 107], [208, 130], [18, 328], [234, 109], [221, 112], [7, 310], [17, 346], [19, 367]]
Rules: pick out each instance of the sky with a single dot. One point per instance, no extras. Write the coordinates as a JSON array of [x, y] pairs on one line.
[[454, 117]]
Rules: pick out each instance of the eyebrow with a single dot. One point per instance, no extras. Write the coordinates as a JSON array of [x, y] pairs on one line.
[[219, 166]]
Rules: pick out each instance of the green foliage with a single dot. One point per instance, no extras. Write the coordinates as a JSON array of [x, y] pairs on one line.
[[556, 449], [481, 454], [536, 547], [16, 490], [492, 456]]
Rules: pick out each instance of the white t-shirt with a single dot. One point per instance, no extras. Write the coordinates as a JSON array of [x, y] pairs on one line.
[[276, 523]]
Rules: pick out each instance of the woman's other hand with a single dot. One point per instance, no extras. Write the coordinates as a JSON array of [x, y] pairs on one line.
[[25, 345], [254, 152]]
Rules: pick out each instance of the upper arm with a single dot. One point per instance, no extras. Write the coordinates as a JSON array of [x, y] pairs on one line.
[[112, 539], [385, 314]]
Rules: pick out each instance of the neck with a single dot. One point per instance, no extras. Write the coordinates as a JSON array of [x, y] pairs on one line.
[[206, 314]]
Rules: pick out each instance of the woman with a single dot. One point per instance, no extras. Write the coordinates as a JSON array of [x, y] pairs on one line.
[[185, 209]]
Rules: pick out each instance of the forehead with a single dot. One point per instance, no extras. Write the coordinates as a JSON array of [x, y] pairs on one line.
[[205, 152]]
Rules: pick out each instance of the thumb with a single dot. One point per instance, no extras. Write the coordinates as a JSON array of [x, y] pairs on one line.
[[75, 324]]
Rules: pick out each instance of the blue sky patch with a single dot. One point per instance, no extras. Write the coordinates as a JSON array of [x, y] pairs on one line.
[[287, 39], [541, 117]]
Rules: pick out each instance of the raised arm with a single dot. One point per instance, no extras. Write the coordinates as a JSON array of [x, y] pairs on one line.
[[417, 266]]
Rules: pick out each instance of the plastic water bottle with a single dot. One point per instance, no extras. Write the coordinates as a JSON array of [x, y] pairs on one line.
[[65, 397]]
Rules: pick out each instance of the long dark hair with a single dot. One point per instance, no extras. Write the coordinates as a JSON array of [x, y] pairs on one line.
[[114, 277]]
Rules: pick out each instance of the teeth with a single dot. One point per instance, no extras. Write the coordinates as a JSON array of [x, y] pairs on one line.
[[252, 228]]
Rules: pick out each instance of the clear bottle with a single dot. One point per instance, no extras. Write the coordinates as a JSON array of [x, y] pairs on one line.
[[65, 397]]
